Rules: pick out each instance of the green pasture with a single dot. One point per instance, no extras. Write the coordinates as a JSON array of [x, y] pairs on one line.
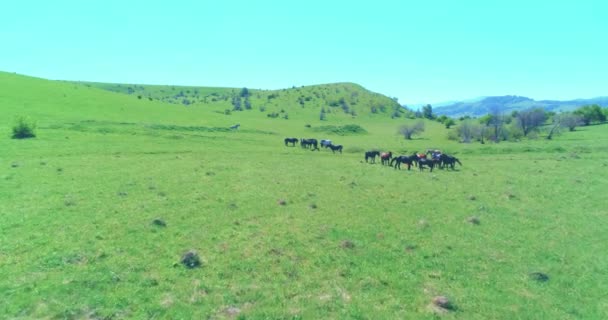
[[284, 232]]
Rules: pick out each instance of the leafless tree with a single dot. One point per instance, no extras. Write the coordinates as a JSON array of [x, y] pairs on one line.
[[468, 130], [530, 119], [408, 130], [564, 120]]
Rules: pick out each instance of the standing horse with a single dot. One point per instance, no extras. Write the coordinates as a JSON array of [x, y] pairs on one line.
[[313, 144], [385, 158], [325, 143], [372, 155], [422, 162], [335, 148], [448, 161], [409, 160], [293, 141]]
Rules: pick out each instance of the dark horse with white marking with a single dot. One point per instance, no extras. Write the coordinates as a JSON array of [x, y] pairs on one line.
[[325, 143], [312, 144], [425, 162], [293, 141], [335, 148], [409, 160], [385, 158], [372, 155]]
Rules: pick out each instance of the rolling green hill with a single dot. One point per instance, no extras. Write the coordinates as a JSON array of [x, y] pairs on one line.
[[97, 211], [342, 100]]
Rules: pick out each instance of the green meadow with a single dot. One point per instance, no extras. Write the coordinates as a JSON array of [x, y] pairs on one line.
[[516, 232]]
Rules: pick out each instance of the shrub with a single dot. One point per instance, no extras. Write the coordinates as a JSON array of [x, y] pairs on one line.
[[349, 129], [24, 129]]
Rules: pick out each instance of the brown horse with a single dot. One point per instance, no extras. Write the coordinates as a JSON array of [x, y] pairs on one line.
[[385, 157]]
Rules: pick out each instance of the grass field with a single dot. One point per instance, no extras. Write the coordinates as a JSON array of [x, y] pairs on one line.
[[283, 232]]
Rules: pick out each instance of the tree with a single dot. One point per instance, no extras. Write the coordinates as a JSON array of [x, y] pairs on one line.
[[408, 130], [530, 119], [468, 130], [570, 120], [590, 114], [236, 103], [449, 122], [247, 104], [442, 118], [427, 112], [496, 121], [322, 115], [244, 93]]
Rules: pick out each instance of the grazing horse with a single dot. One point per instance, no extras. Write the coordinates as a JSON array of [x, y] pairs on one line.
[[409, 160], [372, 155], [325, 143], [448, 161], [385, 157], [234, 127], [293, 141], [335, 148], [422, 162], [313, 144]]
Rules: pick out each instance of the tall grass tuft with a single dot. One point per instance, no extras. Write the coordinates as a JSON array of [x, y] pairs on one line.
[[24, 128]]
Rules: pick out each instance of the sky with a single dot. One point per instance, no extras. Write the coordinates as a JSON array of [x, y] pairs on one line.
[[416, 51]]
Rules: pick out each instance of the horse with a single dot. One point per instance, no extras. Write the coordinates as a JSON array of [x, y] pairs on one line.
[[372, 155], [448, 161], [335, 148], [409, 160], [385, 157], [234, 127], [422, 162], [310, 143], [325, 143], [293, 141]]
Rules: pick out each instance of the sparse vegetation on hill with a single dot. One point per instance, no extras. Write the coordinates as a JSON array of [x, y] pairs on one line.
[[339, 100]]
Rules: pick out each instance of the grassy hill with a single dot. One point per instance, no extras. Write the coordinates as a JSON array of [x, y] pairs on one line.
[[283, 232], [340, 100]]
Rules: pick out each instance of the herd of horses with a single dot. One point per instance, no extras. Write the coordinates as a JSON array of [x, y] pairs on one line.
[[313, 144], [431, 158]]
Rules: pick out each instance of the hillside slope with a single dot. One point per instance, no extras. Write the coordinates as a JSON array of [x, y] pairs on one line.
[[336, 99]]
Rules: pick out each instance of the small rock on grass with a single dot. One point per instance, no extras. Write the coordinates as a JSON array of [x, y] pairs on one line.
[[347, 244], [539, 276], [159, 222], [442, 304], [473, 220], [191, 260]]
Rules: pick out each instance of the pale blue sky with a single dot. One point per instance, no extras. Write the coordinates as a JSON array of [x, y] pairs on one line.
[[418, 51]]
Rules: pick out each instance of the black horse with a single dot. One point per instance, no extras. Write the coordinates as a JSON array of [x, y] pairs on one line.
[[293, 141], [448, 161], [409, 160], [325, 143], [312, 144], [372, 155], [385, 157], [335, 148], [425, 162]]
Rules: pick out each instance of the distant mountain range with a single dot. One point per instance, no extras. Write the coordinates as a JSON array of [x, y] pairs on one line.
[[507, 104]]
